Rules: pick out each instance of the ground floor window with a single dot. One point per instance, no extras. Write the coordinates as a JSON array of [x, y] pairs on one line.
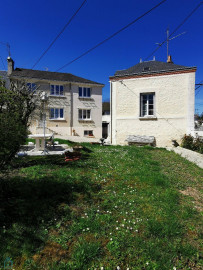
[[88, 132], [147, 101], [84, 114], [56, 113]]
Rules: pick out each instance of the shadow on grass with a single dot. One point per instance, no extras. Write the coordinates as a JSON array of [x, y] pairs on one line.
[[52, 160], [30, 207]]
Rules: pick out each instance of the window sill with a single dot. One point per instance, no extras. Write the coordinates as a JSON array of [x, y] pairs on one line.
[[85, 98], [57, 96], [85, 121], [57, 119], [147, 118]]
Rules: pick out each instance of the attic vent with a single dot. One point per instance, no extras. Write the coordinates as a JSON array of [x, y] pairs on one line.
[[146, 69]]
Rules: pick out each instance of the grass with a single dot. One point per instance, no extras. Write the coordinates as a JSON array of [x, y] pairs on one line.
[[117, 206]]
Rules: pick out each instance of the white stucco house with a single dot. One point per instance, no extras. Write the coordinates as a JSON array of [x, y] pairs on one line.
[[152, 99], [74, 104]]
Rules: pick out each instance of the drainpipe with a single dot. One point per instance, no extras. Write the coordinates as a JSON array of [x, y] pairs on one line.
[[71, 110], [111, 109]]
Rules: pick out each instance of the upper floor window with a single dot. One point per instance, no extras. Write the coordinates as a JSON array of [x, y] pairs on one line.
[[147, 104], [84, 114], [84, 92], [31, 86], [56, 90], [56, 113]]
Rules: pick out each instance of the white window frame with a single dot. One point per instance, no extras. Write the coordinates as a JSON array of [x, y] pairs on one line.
[[59, 113], [147, 104], [84, 113], [54, 93], [84, 91]]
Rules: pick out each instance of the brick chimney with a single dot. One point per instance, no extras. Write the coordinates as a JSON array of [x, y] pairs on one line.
[[169, 60], [10, 65]]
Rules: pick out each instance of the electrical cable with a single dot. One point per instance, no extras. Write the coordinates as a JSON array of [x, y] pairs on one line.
[[167, 120], [3, 63], [200, 84], [43, 54], [159, 46], [113, 35]]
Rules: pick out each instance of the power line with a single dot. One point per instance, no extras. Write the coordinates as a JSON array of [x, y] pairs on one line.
[[59, 34], [3, 62], [199, 85], [193, 11], [113, 35], [7, 46]]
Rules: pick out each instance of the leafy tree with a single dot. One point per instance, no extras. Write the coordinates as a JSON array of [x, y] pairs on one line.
[[17, 105]]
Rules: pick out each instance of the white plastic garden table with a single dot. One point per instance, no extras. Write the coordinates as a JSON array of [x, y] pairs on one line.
[[39, 139]]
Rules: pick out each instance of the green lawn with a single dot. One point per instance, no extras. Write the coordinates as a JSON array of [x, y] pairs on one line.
[[136, 208]]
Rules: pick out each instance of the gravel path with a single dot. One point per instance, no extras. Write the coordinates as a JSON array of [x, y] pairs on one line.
[[188, 154]]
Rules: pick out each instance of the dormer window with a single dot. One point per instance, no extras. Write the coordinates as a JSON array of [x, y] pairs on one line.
[[146, 69]]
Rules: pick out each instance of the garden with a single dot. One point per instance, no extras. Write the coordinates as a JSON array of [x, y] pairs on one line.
[[116, 208]]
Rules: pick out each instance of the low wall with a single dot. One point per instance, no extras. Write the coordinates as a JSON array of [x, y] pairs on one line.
[[190, 155]]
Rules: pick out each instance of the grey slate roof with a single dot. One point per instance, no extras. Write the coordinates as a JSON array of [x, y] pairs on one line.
[[48, 75], [151, 67]]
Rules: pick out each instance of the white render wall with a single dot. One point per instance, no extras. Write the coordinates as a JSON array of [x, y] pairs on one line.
[[174, 107], [94, 104], [71, 103]]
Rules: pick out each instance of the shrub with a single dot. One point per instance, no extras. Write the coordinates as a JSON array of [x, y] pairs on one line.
[[16, 106], [195, 144]]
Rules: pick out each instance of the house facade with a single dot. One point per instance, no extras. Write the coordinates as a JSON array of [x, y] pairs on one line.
[[73, 104], [152, 99]]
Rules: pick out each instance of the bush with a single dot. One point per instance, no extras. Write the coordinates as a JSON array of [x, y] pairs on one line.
[[16, 106], [195, 144]]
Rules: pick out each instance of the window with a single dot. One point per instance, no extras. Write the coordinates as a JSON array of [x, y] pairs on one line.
[[31, 86], [56, 90], [147, 104], [56, 113], [84, 92], [146, 68], [84, 114], [88, 132]]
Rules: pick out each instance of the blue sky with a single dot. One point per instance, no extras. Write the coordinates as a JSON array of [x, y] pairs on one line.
[[30, 26]]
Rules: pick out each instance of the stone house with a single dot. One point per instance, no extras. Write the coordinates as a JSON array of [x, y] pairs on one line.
[[74, 104], [152, 99]]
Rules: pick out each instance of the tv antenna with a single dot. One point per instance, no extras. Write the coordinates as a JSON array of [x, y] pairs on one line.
[[7, 46], [169, 39]]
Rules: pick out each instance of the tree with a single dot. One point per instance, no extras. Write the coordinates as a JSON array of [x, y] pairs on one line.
[[17, 105]]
